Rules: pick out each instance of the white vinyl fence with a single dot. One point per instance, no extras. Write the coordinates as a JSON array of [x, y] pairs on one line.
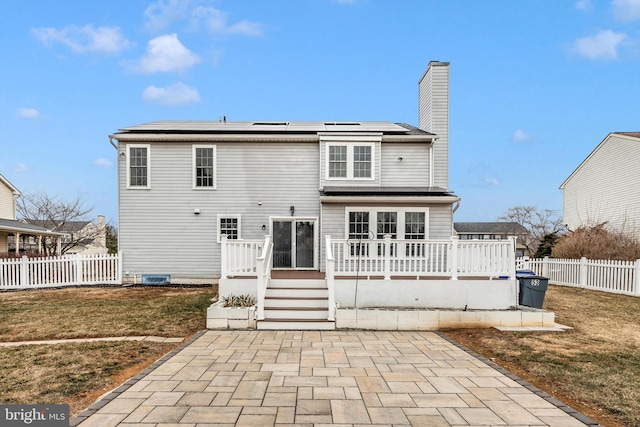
[[65, 270], [620, 277]]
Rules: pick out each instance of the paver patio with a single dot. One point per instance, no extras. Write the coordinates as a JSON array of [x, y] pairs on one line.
[[347, 378]]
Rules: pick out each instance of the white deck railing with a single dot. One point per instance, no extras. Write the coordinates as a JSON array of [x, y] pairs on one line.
[[622, 277], [66, 270], [239, 257], [263, 271], [412, 258]]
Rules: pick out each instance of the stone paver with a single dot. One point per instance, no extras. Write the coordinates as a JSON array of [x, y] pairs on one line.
[[272, 378]]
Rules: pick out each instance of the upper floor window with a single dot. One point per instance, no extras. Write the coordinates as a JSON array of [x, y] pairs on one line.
[[350, 160], [138, 166], [204, 159]]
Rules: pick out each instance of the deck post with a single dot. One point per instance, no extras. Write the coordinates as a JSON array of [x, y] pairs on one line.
[[387, 257], [454, 257], [223, 256], [330, 278]]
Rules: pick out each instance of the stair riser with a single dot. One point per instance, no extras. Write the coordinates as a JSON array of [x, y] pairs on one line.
[[297, 293], [311, 303], [291, 283], [296, 314]]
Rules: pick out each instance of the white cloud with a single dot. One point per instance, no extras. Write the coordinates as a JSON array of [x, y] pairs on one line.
[[27, 113], [584, 5], [87, 39], [626, 10], [492, 181], [176, 94], [103, 163], [160, 15], [165, 54], [216, 21], [603, 45], [20, 167], [521, 136]]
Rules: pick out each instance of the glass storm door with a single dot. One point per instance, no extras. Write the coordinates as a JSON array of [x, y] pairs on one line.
[[293, 244]]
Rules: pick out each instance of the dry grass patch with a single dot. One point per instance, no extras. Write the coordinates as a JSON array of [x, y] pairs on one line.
[[78, 374], [595, 368], [102, 312]]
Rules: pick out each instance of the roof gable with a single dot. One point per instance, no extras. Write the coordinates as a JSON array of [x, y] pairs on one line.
[[6, 182], [631, 135]]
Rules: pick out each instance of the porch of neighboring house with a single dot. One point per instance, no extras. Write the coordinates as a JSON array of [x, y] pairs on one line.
[[448, 276]]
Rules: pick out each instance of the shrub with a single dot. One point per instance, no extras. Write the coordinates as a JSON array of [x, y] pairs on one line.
[[239, 300], [598, 242]]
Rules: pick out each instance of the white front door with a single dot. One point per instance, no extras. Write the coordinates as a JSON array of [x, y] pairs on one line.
[[294, 243]]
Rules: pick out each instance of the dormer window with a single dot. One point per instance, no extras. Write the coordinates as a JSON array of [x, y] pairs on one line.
[[351, 161]]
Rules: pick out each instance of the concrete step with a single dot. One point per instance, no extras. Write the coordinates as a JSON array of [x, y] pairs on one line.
[[320, 313], [319, 302], [296, 325], [298, 283]]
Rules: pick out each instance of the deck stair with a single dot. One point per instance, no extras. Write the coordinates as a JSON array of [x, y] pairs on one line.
[[296, 304]]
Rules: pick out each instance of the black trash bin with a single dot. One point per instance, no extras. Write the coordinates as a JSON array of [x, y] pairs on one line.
[[532, 290]]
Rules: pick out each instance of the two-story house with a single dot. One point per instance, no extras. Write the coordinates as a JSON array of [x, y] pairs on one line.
[[362, 202], [12, 229], [183, 184]]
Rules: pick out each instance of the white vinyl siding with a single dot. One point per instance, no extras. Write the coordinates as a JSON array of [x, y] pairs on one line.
[[406, 164], [605, 187], [204, 166], [138, 170], [158, 229], [7, 202], [433, 116]]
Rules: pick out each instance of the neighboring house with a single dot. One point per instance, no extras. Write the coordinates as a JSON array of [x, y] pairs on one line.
[[495, 231], [365, 206], [10, 228], [79, 236], [606, 186]]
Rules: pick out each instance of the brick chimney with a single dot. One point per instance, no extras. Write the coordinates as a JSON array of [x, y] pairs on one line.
[[433, 116]]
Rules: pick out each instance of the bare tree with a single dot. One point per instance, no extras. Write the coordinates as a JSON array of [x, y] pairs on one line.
[[57, 214], [538, 222]]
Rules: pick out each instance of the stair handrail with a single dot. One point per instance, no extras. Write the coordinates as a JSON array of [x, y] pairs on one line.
[[264, 262], [330, 278]]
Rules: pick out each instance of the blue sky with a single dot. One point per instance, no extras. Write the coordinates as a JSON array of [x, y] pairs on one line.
[[535, 85]]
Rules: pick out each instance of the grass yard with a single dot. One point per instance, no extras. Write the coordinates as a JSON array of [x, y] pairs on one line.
[[595, 368], [79, 373]]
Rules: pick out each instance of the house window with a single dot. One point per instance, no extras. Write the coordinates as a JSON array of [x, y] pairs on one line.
[[359, 225], [400, 223], [204, 158], [362, 161], [229, 225], [138, 166], [414, 225], [387, 224], [350, 161], [338, 161]]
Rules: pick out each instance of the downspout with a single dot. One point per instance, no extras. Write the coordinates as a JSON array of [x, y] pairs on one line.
[[111, 142], [455, 207]]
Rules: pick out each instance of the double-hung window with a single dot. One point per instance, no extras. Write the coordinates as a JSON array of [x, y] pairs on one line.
[[204, 166], [138, 170], [351, 161], [230, 226]]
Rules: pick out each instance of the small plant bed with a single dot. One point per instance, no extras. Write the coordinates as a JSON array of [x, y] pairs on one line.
[[239, 300]]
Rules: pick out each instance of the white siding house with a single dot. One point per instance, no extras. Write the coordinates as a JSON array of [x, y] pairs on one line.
[[184, 183], [9, 226], [605, 187]]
